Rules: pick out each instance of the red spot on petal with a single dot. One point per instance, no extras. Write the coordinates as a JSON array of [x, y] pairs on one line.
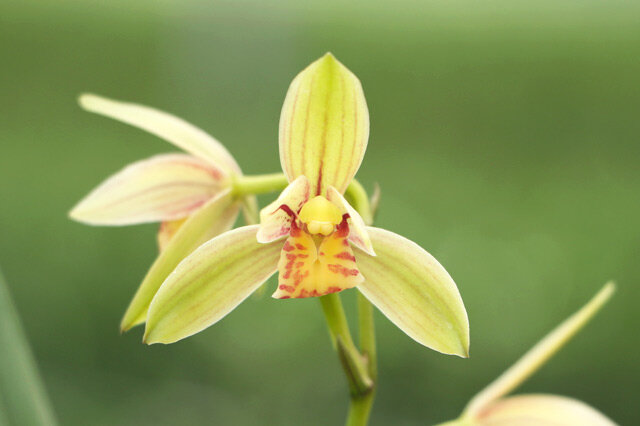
[[287, 288], [299, 277], [339, 269], [346, 256], [342, 230], [288, 246], [300, 246], [295, 231], [333, 289]]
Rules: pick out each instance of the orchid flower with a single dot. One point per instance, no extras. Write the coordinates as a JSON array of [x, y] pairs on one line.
[[189, 194], [490, 407], [312, 236]]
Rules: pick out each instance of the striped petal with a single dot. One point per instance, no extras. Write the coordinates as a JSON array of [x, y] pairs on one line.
[[216, 217], [166, 126], [209, 284], [324, 126], [275, 222], [540, 410], [357, 229], [415, 292], [163, 187]]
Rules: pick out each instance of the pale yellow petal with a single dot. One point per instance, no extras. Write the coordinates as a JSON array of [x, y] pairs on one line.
[[209, 284], [217, 216], [540, 410], [166, 126], [415, 292], [358, 234], [163, 187], [275, 222], [324, 126]]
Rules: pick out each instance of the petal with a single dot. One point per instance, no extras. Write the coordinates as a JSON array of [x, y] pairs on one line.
[[541, 410], [216, 217], [163, 187], [415, 292], [357, 230], [275, 222], [309, 272], [167, 230], [324, 126], [166, 126], [209, 284]]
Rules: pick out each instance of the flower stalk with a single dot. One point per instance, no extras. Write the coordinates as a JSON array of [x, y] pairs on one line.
[[259, 184]]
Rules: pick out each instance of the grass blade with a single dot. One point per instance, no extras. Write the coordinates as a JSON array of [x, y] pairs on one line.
[[23, 399]]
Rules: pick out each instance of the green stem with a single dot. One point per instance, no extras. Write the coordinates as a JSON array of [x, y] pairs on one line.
[[359, 410], [357, 197], [23, 399], [367, 334], [353, 363], [336, 319], [361, 405], [259, 184]]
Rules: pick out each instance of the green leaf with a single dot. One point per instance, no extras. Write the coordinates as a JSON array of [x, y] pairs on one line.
[[210, 283], [415, 292], [23, 399], [217, 216]]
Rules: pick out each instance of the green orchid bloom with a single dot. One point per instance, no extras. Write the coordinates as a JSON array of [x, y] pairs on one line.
[[312, 236]]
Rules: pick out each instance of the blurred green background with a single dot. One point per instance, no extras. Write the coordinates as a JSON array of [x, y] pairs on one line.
[[504, 135]]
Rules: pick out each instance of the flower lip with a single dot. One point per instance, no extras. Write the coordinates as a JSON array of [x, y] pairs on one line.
[[316, 265]]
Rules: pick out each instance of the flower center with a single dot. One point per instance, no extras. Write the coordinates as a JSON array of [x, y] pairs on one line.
[[320, 216]]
